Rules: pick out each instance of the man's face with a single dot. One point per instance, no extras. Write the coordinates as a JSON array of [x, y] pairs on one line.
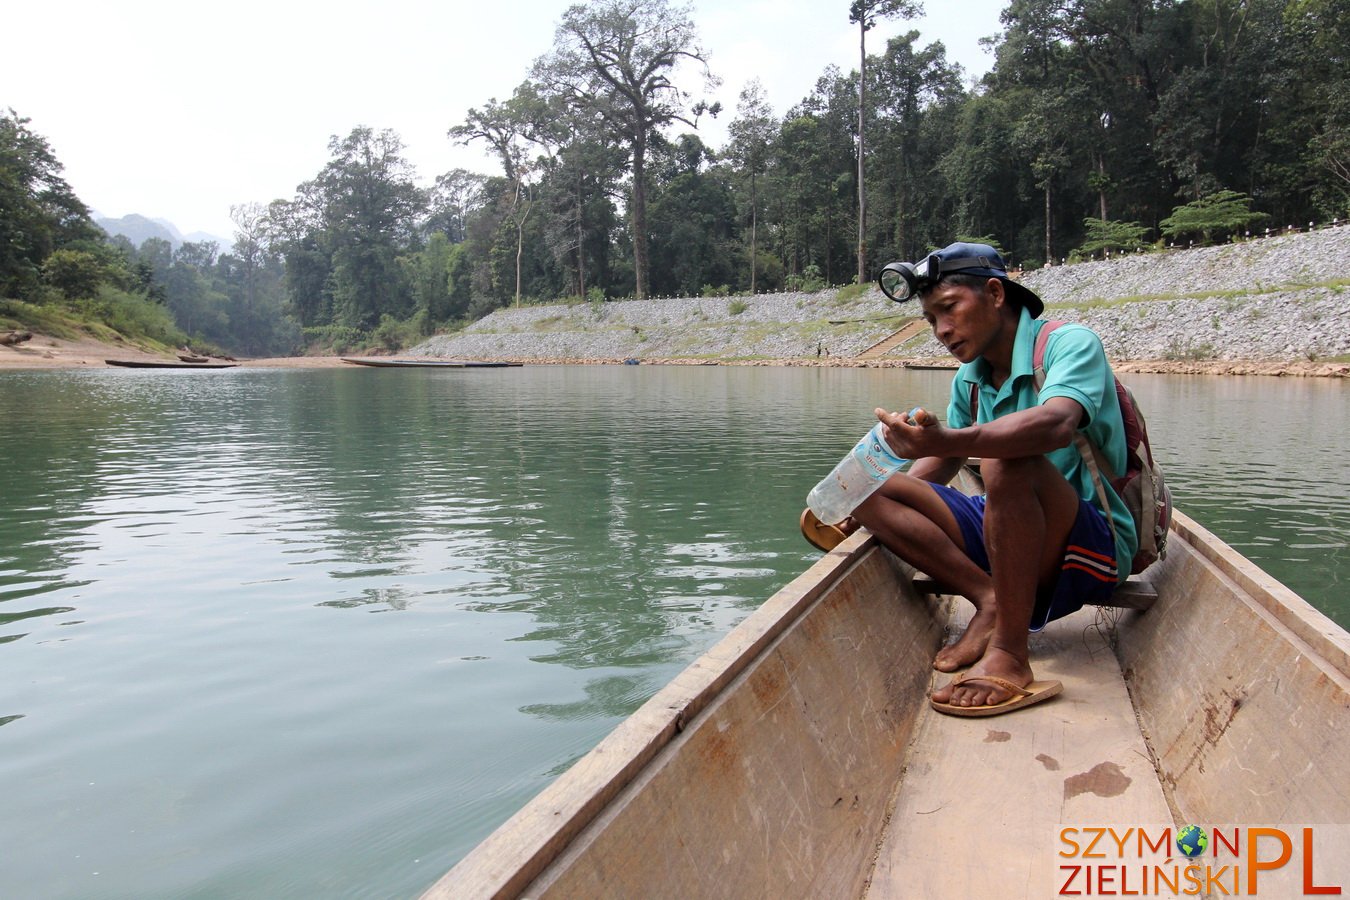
[[966, 320]]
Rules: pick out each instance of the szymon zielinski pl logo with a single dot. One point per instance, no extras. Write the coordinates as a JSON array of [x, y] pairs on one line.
[[1197, 860]]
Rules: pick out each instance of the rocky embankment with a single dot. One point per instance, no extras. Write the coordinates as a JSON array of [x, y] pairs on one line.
[[1275, 305]]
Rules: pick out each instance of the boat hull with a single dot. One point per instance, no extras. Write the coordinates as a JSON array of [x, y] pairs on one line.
[[753, 761], [799, 756], [146, 364]]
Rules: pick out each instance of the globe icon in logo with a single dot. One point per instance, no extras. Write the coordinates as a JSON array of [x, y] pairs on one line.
[[1192, 841]]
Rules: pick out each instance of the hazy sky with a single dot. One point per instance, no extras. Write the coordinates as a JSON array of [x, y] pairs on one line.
[[178, 111]]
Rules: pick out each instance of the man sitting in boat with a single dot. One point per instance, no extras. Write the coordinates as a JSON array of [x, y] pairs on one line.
[[1038, 545]]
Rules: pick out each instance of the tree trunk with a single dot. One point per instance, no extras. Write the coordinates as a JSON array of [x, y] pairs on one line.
[[862, 190], [829, 242], [639, 217], [1049, 251], [520, 245], [519, 218], [754, 216], [1101, 185], [581, 240]]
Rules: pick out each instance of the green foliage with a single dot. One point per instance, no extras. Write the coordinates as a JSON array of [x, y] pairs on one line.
[[720, 290], [45, 318], [1101, 236], [736, 307], [134, 315], [851, 292], [77, 274], [39, 213], [337, 339], [392, 334], [1214, 215], [808, 282], [614, 60]]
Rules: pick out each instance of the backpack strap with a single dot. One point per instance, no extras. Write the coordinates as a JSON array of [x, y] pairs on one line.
[[1037, 363], [1092, 456]]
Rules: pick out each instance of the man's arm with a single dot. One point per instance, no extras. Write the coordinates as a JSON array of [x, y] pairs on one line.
[[1029, 432]]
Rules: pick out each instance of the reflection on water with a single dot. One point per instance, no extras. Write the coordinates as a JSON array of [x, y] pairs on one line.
[[317, 632], [1262, 463]]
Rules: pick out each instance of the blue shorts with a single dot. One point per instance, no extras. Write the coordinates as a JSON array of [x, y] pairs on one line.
[[1088, 574]]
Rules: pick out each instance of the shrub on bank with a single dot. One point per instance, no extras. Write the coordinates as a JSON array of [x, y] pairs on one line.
[[134, 315]]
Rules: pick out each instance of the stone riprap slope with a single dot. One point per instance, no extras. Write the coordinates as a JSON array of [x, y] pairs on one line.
[[1280, 298]]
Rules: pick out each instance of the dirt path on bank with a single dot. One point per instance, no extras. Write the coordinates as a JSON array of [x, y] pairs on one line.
[[42, 352]]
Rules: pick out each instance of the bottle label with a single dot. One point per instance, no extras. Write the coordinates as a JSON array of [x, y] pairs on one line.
[[877, 459]]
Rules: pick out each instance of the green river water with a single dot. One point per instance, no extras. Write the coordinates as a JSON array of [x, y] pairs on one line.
[[295, 633]]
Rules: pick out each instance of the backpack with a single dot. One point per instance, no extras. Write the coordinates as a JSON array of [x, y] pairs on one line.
[[1142, 487]]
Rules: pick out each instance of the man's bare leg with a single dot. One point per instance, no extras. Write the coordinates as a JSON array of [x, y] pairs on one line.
[[916, 524], [1028, 515]]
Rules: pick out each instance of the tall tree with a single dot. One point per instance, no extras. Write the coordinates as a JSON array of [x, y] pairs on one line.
[[250, 243], [692, 215], [510, 129], [864, 13], [583, 170], [617, 59], [908, 85], [370, 205], [39, 213], [751, 135], [1319, 33], [456, 195]]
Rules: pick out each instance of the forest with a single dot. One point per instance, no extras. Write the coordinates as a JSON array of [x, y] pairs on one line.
[[1104, 126]]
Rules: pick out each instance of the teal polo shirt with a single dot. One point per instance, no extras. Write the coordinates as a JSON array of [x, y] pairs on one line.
[[1075, 367]]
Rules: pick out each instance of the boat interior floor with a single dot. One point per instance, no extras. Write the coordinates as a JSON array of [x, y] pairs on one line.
[[995, 792]]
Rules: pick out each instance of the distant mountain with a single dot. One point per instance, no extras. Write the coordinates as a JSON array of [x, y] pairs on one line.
[[138, 229]]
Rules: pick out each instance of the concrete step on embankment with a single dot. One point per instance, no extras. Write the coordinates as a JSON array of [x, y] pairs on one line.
[[886, 345]]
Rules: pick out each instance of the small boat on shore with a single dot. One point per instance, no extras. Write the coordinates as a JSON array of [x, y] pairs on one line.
[[153, 364], [387, 363], [799, 757]]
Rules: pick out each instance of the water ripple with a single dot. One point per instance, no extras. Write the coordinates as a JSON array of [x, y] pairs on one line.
[[297, 628]]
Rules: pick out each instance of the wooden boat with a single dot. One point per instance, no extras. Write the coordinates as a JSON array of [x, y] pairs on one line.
[[150, 364], [799, 757], [387, 363], [190, 358]]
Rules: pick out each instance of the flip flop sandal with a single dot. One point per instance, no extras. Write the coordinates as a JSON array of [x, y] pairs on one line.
[[1021, 696], [818, 534]]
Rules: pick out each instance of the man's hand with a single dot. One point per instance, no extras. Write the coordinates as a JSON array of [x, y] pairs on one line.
[[905, 432]]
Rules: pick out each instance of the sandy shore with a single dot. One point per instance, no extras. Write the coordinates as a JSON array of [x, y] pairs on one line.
[[43, 352]]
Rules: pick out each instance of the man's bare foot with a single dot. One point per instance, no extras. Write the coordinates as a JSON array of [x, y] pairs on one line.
[[970, 646], [995, 662]]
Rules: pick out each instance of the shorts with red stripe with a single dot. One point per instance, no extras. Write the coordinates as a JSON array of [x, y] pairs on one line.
[[1087, 576]]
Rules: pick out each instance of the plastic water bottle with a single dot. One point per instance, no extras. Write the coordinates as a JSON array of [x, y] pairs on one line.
[[862, 471]]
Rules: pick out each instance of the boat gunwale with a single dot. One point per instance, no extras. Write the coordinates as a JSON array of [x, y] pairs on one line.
[[1322, 635], [544, 827]]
